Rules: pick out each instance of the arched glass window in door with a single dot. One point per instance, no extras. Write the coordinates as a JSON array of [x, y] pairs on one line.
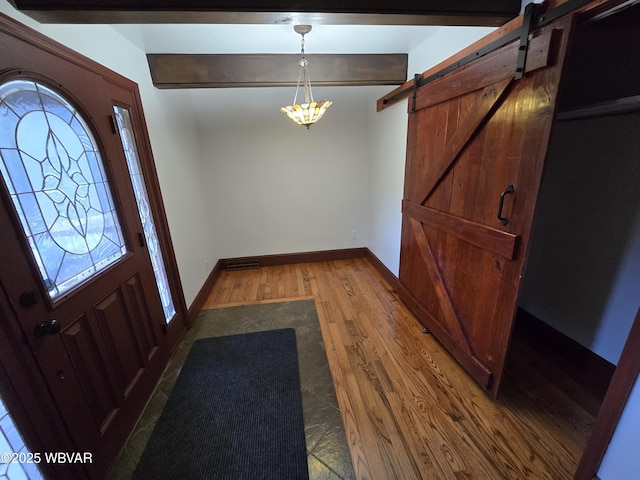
[[123, 119], [53, 171]]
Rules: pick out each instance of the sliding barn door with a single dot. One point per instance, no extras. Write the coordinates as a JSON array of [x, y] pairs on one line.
[[477, 143]]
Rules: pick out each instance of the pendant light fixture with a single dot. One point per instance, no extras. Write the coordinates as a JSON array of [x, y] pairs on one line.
[[310, 111]]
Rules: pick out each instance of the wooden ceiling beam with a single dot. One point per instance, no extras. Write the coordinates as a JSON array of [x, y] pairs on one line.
[[353, 12], [269, 70]]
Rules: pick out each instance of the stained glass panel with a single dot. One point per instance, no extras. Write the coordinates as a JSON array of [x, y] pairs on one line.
[[53, 171], [131, 152], [16, 463]]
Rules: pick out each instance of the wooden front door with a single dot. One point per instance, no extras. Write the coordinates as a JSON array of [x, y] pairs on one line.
[[76, 272], [477, 142]]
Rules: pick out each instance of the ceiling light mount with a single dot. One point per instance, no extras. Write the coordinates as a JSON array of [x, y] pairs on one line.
[[302, 29], [310, 111]]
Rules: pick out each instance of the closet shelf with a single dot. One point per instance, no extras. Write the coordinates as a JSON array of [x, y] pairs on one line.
[[618, 106]]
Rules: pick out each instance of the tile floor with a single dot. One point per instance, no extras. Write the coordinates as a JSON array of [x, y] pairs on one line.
[[327, 450]]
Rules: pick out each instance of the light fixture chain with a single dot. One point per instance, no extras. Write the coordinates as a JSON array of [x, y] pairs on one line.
[[300, 77], [308, 94], [309, 112], [304, 75]]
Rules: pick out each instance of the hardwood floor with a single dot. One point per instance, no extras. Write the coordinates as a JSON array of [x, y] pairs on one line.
[[409, 410]]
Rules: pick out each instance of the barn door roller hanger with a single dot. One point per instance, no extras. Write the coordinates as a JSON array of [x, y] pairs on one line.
[[530, 13]]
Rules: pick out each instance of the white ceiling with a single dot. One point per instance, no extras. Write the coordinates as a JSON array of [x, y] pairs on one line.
[[237, 39], [201, 38]]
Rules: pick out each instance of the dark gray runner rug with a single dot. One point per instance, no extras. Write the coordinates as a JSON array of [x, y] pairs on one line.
[[234, 413]]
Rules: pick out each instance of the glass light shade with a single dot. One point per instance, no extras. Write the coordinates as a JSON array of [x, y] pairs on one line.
[[306, 113]]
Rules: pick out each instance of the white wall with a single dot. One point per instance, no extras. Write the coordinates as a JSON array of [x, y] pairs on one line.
[[445, 42], [177, 152], [275, 187], [621, 460], [388, 141], [583, 271]]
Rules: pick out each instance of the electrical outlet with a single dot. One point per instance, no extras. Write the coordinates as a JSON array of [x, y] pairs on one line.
[[354, 235]]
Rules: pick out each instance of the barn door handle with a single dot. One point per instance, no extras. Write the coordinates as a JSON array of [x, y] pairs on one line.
[[508, 190]]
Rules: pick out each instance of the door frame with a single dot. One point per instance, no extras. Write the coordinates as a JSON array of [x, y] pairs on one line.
[[182, 322], [622, 383]]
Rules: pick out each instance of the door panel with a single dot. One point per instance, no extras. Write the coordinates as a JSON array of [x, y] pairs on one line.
[[146, 336], [82, 349], [120, 339], [473, 133], [105, 353]]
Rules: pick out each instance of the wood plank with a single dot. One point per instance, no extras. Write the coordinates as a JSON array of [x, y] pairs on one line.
[[364, 460], [364, 363], [394, 382], [488, 101], [454, 416], [273, 70], [494, 67], [492, 239], [430, 12], [478, 371], [436, 279], [417, 400]]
